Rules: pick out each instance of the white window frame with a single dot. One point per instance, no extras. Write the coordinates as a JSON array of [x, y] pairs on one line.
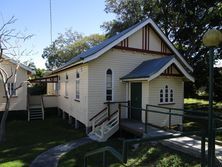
[[171, 96], [161, 96], [57, 88], [11, 88], [110, 87], [66, 86], [166, 95], [77, 86]]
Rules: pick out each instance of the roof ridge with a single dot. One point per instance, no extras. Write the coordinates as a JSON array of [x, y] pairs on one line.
[[100, 46]]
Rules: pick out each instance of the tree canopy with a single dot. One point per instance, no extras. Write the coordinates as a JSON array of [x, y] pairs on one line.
[[184, 22], [68, 45]]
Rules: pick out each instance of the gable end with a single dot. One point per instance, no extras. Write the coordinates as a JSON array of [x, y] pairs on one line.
[[145, 40]]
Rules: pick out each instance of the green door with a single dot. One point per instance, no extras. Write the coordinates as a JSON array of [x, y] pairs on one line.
[[136, 100]]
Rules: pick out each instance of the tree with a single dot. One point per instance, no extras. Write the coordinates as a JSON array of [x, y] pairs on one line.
[[184, 22], [7, 36], [30, 64], [68, 45]]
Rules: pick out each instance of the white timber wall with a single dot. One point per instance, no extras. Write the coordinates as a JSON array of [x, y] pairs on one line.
[[177, 85], [135, 41], [50, 101], [18, 102], [121, 63], [75, 108]]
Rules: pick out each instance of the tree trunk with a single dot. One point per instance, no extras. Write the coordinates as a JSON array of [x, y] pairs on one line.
[[3, 122]]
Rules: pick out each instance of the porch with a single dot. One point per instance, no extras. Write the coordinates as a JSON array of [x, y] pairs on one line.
[[190, 142]]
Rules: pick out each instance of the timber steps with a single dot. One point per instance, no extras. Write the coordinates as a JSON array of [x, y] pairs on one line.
[[36, 112], [35, 108]]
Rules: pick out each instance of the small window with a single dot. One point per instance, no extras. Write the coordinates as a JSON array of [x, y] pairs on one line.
[[171, 95], [66, 86], [166, 94], [77, 86], [109, 85], [161, 96], [57, 87], [66, 89], [11, 89]]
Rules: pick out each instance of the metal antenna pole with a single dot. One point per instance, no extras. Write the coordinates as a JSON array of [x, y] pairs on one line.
[[50, 14]]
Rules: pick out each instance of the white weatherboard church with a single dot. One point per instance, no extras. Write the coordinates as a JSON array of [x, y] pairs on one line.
[[139, 65]]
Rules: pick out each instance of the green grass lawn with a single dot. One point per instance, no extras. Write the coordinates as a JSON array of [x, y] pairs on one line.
[[193, 104], [144, 155], [27, 140]]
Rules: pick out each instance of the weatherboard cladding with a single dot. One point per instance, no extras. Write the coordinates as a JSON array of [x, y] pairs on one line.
[[148, 68], [98, 47]]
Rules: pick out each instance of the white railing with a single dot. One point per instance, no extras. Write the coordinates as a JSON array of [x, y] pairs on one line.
[[106, 127], [98, 118]]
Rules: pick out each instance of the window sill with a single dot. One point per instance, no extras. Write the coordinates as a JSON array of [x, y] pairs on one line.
[[169, 103], [77, 100], [14, 96], [66, 97]]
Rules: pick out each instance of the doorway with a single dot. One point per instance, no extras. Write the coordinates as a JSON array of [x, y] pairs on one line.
[[136, 100]]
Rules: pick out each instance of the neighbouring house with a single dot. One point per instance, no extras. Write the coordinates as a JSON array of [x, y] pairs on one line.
[[19, 97], [139, 65]]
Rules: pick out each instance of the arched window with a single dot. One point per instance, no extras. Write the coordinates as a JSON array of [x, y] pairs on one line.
[[109, 85], [171, 95], [161, 95], [77, 86], [166, 94]]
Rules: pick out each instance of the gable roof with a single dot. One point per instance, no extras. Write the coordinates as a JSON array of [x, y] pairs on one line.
[[20, 64], [151, 69], [104, 46]]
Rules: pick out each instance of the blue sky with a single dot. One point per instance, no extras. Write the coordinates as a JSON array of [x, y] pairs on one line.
[[84, 16]]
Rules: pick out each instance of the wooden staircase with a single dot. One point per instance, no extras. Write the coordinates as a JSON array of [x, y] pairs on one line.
[[104, 126], [35, 108]]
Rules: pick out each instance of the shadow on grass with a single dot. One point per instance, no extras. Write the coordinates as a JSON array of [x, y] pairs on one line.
[[145, 155], [26, 140]]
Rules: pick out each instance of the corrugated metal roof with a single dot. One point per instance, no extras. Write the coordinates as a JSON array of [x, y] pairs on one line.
[[148, 68], [98, 47]]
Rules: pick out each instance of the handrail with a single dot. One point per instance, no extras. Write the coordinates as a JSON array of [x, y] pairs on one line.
[[98, 114], [123, 157], [115, 102], [107, 148], [218, 129], [177, 109], [168, 113], [113, 151], [105, 119], [43, 108]]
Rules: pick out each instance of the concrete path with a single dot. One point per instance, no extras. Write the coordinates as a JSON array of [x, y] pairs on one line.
[[51, 157], [191, 146], [188, 145]]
